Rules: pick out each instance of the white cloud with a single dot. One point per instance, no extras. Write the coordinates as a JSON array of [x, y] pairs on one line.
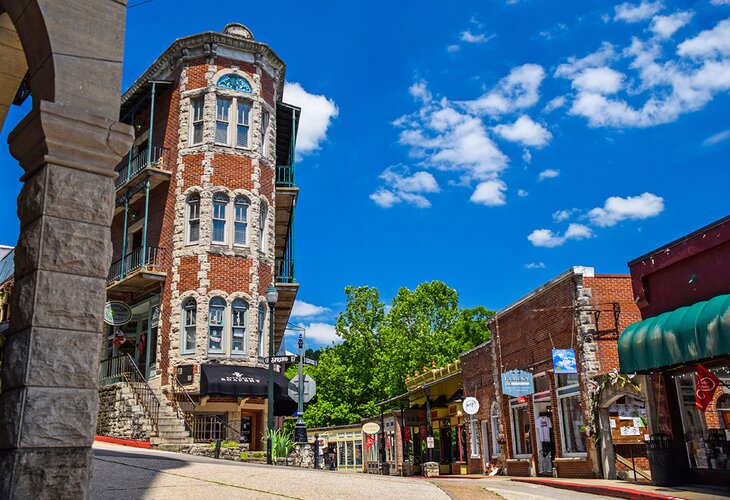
[[709, 43], [303, 309], [617, 209], [420, 91], [561, 215], [554, 103], [535, 265], [601, 80], [402, 187], [522, 193], [719, 137], [489, 193], [720, 2], [666, 26], [453, 48], [548, 239], [632, 13], [525, 131], [518, 90], [317, 114], [527, 156], [469, 37], [319, 333], [549, 173]]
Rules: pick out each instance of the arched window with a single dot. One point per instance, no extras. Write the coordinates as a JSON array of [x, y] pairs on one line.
[[193, 219], [234, 82], [265, 117], [240, 220], [216, 313], [239, 326], [261, 330], [189, 313], [220, 202], [263, 211], [494, 420]]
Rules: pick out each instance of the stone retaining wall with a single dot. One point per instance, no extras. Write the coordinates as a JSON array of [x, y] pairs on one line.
[[117, 416]]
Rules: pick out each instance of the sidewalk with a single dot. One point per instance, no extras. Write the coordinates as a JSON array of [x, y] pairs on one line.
[[630, 490]]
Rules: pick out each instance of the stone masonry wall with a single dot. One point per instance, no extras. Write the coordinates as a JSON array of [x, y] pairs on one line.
[[117, 416]]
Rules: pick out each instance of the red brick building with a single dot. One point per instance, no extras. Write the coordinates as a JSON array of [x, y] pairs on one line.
[[203, 224], [555, 425]]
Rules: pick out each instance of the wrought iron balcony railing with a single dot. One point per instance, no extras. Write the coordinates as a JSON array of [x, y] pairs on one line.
[[136, 259], [159, 157], [285, 175], [285, 271]]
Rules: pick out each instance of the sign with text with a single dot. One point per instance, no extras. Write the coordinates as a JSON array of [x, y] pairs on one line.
[[470, 405], [429, 442], [564, 361], [371, 428], [117, 313], [517, 383], [288, 360]]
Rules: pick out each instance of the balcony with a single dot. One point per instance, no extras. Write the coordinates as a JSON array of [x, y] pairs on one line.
[[286, 200], [137, 271], [288, 288], [155, 164]]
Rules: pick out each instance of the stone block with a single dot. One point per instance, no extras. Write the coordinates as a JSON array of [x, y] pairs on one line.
[[76, 247], [83, 196], [76, 368], [11, 407], [55, 417], [45, 473]]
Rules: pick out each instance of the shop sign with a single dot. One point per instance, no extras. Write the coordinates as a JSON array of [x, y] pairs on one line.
[[117, 313], [707, 383], [517, 383], [371, 428], [564, 361], [470, 405], [429, 442]]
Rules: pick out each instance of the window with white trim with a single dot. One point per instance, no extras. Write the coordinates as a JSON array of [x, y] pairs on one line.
[[220, 204], [243, 110], [573, 438], [261, 323], [189, 312], [473, 436], [263, 211], [216, 323], [222, 112], [239, 324], [232, 121], [196, 120], [240, 220], [265, 117], [520, 424], [192, 233], [494, 421]]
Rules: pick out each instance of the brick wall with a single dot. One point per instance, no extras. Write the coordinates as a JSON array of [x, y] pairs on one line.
[[477, 372]]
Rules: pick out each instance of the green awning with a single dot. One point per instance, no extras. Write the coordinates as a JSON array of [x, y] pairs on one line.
[[687, 334]]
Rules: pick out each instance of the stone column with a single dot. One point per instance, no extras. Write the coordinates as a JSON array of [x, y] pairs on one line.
[[49, 401]]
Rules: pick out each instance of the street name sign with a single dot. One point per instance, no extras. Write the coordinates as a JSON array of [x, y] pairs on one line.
[[281, 359]]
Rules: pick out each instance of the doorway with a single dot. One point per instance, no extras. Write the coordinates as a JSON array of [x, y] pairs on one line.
[[250, 424], [545, 437]]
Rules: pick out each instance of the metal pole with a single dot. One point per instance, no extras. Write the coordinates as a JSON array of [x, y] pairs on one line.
[[300, 429], [382, 440], [429, 428], [146, 216], [124, 236], [152, 123], [633, 465], [269, 458]]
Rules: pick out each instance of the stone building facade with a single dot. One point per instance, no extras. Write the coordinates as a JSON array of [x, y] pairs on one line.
[[203, 221], [555, 426]]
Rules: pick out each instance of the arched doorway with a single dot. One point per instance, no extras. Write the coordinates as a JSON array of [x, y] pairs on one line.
[[67, 146]]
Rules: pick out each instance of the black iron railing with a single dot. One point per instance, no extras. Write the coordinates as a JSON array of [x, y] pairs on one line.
[[124, 369], [153, 261], [285, 271], [203, 428], [158, 157], [285, 175]]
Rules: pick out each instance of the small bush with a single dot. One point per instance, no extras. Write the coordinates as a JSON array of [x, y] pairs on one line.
[[253, 455], [225, 444]]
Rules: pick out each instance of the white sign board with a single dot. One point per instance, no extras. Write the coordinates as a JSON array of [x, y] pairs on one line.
[[310, 388], [470, 405], [429, 442], [371, 428], [117, 313]]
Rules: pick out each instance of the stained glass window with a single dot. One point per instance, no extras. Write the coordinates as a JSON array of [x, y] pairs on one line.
[[234, 82]]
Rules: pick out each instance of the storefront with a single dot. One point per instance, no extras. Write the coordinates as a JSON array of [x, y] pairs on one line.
[[340, 447], [137, 337]]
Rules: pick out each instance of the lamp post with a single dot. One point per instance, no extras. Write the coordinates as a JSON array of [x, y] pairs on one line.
[[271, 297], [300, 429]]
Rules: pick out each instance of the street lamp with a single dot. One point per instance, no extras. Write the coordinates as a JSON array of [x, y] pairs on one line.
[[300, 429], [271, 297]]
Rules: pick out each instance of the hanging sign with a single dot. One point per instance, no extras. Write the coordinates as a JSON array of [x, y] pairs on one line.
[[470, 405], [706, 385], [117, 313], [564, 361], [371, 428], [517, 383]]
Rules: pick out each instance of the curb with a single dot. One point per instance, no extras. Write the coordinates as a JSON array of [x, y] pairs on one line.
[[123, 442], [595, 489]]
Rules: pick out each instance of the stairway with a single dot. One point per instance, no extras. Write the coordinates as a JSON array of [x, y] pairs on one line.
[[170, 429]]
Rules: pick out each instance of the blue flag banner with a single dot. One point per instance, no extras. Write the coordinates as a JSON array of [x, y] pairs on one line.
[[564, 361]]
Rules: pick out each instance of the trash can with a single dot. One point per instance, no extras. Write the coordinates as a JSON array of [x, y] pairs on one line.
[[659, 452]]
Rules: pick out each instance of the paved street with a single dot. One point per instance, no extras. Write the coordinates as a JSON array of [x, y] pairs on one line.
[[131, 473]]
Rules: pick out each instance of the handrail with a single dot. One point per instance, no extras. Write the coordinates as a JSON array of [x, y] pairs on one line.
[[124, 368], [203, 428], [159, 157], [285, 175], [285, 271], [153, 262]]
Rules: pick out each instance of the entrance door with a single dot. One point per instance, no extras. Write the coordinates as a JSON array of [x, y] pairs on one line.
[[545, 438], [250, 422]]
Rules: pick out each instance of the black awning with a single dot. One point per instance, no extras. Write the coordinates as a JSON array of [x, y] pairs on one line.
[[246, 382]]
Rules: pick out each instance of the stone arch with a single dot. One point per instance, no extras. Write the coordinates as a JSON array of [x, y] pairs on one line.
[[68, 146]]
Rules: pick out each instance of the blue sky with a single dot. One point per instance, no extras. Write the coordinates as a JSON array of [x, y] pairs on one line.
[[490, 145]]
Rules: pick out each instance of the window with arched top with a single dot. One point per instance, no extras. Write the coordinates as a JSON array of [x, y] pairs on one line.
[[494, 421], [262, 330], [220, 204], [263, 213], [189, 313], [192, 214], [239, 326], [234, 82], [216, 315], [240, 220]]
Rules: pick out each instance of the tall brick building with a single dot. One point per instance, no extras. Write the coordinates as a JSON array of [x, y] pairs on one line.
[[555, 425], [202, 225]]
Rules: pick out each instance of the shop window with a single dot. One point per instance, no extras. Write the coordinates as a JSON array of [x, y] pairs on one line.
[[263, 212], [196, 121], [261, 330], [240, 220], [220, 202], [520, 424], [189, 312], [570, 414], [341, 453], [473, 435], [265, 117], [239, 322], [193, 216], [216, 313], [358, 453]]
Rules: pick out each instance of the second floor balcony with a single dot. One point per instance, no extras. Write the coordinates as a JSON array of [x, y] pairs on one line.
[[138, 270], [153, 160]]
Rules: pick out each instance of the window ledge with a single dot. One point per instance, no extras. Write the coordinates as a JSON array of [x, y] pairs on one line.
[[516, 460], [573, 458]]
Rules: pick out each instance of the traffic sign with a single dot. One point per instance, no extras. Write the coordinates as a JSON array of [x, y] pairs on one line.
[[281, 359], [310, 388], [308, 361]]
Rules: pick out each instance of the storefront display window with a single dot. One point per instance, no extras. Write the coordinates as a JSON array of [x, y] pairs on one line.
[[358, 453], [706, 434], [520, 423], [571, 414], [494, 418]]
